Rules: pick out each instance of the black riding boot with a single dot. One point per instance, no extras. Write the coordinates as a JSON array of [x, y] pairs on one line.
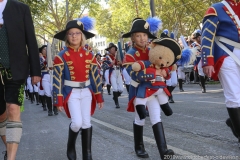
[[108, 89], [202, 81], [142, 111], [115, 98], [36, 97], [119, 94], [26, 94], [138, 141], [31, 97], [161, 141], [55, 110], [127, 87], [180, 81], [102, 88], [167, 110], [71, 151], [40, 99], [234, 114], [229, 124], [49, 105], [86, 143], [43, 100], [170, 89]]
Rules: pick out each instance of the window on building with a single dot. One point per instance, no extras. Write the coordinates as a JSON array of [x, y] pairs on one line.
[[103, 43]]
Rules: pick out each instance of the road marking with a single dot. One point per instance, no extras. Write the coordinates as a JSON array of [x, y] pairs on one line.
[[211, 102], [147, 139], [208, 91]]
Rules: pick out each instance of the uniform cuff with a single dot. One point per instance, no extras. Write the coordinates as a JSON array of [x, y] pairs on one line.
[[152, 72], [99, 98], [58, 101], [208, 62]]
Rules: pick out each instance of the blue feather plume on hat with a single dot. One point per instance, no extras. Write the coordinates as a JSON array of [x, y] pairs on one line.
[[165, 31], [185, 56], [88, 22], [172, 35], [155, 24]]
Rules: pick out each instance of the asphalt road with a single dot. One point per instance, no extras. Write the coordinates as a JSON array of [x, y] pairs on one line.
[[196, 130]]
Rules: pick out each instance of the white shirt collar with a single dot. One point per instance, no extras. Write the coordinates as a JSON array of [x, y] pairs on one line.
[[2, 7]]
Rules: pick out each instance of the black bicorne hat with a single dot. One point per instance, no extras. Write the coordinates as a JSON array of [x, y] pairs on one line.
[[195, 35], [41, 48], [73, 24], [110, 46], [139, 25], [171, 44], [98, 54]]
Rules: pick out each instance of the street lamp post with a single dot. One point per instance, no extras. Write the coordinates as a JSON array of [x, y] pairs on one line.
[[152, 8], [153, 13]]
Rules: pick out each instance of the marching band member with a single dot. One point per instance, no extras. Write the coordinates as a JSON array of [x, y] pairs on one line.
[[35, 89], [140, 32], [115, 73], [221, 54], [106, 67], [76, 84], [99, 63], [46, 84], [30, 89], [197, 44]]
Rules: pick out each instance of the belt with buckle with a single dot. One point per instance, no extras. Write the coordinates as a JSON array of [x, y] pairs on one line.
[[76, 84], [159, 79], [116, 67]]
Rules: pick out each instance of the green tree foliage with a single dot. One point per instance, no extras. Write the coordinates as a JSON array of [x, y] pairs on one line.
[[50, 16], [185, 14], [36, 6]]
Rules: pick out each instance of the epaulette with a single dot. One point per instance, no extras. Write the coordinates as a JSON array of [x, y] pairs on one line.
[[211, 12], [58, 59], [132, 51]]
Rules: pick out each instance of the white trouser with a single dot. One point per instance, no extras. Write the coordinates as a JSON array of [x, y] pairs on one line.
[[153, 104], [229, 76], [35, 88], [127, 78], [40, 92], [29, 85], [173, 80], [200, 69], [180, 73], [106, 76], [47, 86], [79, 105], [116, 81]]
